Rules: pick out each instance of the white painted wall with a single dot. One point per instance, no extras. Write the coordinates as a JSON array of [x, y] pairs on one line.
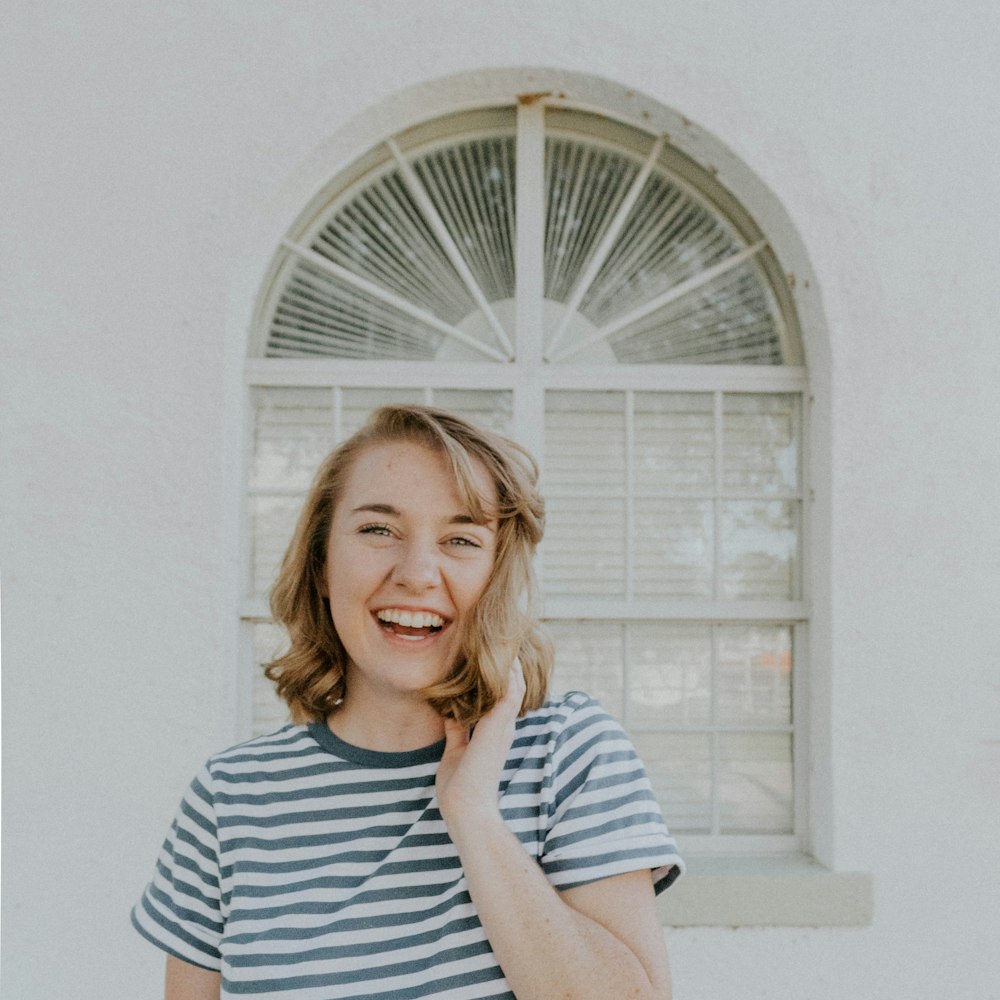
[[153, 152]]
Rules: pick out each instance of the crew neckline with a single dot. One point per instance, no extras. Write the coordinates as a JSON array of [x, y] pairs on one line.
[[329, 741]]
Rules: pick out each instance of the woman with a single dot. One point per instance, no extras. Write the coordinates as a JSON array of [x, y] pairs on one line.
[[379, 845]]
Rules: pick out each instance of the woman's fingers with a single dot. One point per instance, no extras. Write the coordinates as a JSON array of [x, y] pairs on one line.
[[473, 763], [497, 725]]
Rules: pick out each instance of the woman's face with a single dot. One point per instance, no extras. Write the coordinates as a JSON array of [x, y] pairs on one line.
[[405, 566]]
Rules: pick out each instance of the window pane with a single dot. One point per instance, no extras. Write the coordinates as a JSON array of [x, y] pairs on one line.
[[674, 448], [357, 404], [680, 770], [755, 772], [755, 674], [269, 711], [589, 658], [293, 432], [760, 443], [584, 546], [673, 548], [585, 442], [488, 409], [669, 674], [759, 549], [272, 521], [584, 186]]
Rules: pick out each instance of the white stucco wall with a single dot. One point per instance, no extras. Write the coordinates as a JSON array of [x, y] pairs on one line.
[[153, 152]]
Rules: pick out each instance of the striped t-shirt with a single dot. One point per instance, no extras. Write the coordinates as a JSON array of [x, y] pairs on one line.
[[306, 868]]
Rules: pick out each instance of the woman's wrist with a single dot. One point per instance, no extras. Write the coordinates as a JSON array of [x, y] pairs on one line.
[[472, 822]]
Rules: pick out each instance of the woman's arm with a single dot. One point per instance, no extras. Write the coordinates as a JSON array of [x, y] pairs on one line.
[[589, 943], [190, 982]]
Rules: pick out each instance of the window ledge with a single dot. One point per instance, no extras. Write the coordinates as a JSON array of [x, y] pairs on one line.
[[759, 891]]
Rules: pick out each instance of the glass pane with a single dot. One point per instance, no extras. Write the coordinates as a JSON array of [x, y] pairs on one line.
[[471, 185], [673, 548], [755, 771], [293, 432], [321, 315], [760, 443], [674, 449], [272, 521], [727, 321], [759, 549], [585, 442], [357, 404], [488, 409], [669, 675], [584, 186], [589, 658], [755, 674], [680, 770], [269, 711], [584, 547]]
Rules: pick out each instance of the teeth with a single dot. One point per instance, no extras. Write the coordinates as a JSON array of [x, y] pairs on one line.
[[410, 619]]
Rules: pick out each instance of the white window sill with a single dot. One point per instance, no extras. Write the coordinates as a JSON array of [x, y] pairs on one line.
[[760, 891]]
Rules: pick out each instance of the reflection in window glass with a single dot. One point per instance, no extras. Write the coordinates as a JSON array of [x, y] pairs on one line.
[[670, 675], [584, 546], [756, 782], [759, 548], [293, 432], [585, 442], [272, 521], [673, 548], [674, 442], [358, 404], [760, 443], [590, 659], [680, 770], [755, 674], [487, 409]]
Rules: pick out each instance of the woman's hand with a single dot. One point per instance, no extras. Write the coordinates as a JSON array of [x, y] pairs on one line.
[[468, 777], [599, 940]]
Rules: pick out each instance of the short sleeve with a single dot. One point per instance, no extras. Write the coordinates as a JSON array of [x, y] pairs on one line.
[[603, 817], [181, 909]]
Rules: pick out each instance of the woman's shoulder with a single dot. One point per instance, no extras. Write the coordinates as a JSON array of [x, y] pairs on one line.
[[290, 740], [567, 712]]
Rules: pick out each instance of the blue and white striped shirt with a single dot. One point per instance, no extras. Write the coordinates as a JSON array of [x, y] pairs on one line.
[[306, 868]]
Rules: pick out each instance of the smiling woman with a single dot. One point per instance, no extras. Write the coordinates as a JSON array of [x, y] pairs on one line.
[[402, 588], [379, 494], [431, 823]]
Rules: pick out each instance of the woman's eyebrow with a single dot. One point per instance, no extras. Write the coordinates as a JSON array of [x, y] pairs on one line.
[[377, 508], [390, 511]]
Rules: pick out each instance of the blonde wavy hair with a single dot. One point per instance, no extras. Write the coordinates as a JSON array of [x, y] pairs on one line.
[[311, 676]]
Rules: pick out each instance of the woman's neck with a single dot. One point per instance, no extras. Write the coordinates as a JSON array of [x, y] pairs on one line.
[[387, 725]]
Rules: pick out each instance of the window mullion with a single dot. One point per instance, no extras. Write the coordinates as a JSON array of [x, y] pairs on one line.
[[529, 265], [629, 496], [529, 288], [715, 737], [717, 501]]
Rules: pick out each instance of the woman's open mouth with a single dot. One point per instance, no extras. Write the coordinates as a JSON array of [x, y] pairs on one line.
[[409, 624]]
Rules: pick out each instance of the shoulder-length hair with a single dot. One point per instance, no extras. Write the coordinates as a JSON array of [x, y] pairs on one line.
[[311, 676]]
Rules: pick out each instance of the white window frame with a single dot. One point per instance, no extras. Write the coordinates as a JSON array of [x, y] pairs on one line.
[[790, 869]]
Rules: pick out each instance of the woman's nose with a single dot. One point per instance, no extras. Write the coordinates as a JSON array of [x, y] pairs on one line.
[[417, 568]]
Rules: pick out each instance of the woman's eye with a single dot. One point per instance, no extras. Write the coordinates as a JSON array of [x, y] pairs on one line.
[[375, 529], [461, 541]]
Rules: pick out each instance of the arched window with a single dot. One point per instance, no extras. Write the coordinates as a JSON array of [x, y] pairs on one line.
[[581, 284]]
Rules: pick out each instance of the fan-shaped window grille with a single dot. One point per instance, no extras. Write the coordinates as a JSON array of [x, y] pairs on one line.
[[585, 287]]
